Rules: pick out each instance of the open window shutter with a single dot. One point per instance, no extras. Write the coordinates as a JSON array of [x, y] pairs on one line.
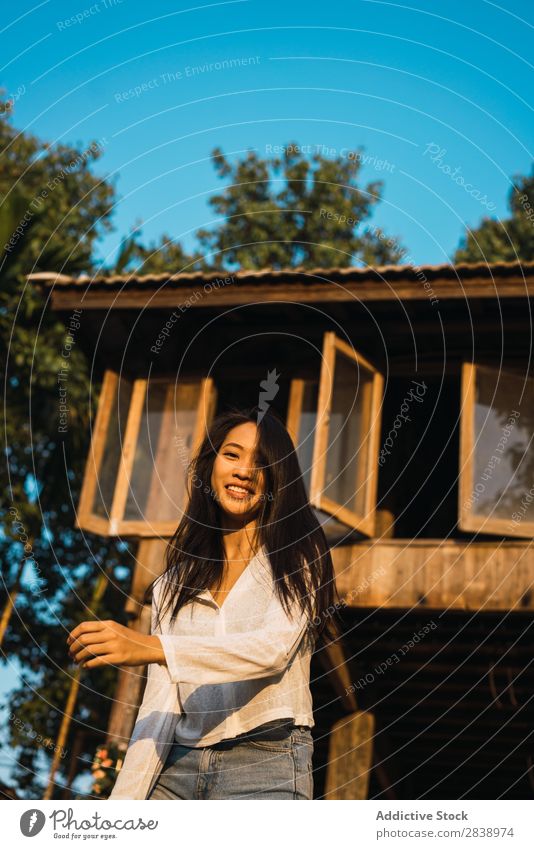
[[335, 425]]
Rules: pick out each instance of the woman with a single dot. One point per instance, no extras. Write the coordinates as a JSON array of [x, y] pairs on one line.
[[247, 589]]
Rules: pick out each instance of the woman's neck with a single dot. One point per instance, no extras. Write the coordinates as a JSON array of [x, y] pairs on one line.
[[240, 544]]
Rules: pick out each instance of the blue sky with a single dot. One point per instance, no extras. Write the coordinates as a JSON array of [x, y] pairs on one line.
[[426, 89], [394, 79]]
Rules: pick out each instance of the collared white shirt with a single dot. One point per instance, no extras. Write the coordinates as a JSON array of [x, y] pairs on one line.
[[229, 669]]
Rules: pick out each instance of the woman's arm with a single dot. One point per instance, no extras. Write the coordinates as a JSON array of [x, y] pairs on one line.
[[194, 659]]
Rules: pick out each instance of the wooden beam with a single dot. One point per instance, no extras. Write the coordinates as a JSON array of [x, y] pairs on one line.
[[331, 655], [436, 574], [128, 692], [133, 297], [150, 564]]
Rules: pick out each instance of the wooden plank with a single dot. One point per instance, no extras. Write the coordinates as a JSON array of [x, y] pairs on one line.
[[350, 755], [95, 524], [140, 528], [366, 471], [373, 448], [205, 411], [85, 518], [324, 403], [436, 575], [352, 354], [124, 474], [150, 564], [467, 423], [294, 409]]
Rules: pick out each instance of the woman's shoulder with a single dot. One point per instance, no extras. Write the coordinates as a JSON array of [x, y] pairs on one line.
[[159, 601]]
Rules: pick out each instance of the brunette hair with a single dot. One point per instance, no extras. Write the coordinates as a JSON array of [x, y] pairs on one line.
[[287, 526]]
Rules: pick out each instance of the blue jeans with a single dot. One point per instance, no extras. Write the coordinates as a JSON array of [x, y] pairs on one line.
[[240, 769]]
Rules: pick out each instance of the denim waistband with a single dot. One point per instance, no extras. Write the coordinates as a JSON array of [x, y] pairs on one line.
[[276, 729]]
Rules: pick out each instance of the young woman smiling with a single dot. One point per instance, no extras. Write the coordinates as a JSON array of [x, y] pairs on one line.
[[247, 589]]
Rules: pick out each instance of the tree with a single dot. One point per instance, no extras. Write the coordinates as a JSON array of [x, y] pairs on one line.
[[294, 211], [508, 240], [157, 258], [52, 210]]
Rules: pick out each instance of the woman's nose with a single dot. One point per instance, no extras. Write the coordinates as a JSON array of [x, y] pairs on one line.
[[243, 474]]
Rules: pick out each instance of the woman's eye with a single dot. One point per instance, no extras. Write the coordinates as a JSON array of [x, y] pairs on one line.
[[229, 454]]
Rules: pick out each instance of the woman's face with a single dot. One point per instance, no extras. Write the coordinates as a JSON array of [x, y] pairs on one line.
[[236, 483]]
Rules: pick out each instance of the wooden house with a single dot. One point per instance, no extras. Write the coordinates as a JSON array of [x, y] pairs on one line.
[[408, 391]]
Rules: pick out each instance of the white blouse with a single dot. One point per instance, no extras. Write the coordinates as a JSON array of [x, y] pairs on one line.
[[229, 669]]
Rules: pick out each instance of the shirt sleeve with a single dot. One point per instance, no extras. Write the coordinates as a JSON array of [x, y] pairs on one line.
[[236, 657], [152, 733]]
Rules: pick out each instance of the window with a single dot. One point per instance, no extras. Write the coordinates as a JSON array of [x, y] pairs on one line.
[[144, 436], [418, 458], [496, 493], [335, 425]]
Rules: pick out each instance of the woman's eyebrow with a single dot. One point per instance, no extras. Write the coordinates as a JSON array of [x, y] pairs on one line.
[[235, 444]]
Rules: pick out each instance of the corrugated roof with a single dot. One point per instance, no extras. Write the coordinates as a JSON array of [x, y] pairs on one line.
[[390, 273]]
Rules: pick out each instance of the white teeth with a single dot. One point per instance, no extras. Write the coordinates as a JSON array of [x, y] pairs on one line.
[[239, 489]]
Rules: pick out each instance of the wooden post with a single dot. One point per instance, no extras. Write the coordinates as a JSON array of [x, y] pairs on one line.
[[385, 524], [350, 757], [10, 603], [332, 657], [128, 692]]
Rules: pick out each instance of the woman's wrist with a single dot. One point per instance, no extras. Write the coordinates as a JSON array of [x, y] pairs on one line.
[[154, 653]]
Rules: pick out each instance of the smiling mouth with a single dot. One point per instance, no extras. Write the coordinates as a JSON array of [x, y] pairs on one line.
[[237, 491]]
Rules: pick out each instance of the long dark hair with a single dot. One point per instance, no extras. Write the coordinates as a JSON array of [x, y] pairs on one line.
[[287, 527]]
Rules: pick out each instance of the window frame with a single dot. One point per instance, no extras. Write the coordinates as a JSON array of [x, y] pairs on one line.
[[115, 525], [333, 346]]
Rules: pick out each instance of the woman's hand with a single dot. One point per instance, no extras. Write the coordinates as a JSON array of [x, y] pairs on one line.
[[109, 644]]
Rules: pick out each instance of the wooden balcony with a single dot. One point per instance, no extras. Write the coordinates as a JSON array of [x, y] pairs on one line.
[[435, 574]]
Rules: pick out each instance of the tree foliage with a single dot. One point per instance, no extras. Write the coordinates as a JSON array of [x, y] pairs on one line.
[[52, 209], [164, 255], [292, 211], [509, 240]]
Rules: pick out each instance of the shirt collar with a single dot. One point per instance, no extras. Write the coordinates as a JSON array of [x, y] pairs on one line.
[[258, 566]]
